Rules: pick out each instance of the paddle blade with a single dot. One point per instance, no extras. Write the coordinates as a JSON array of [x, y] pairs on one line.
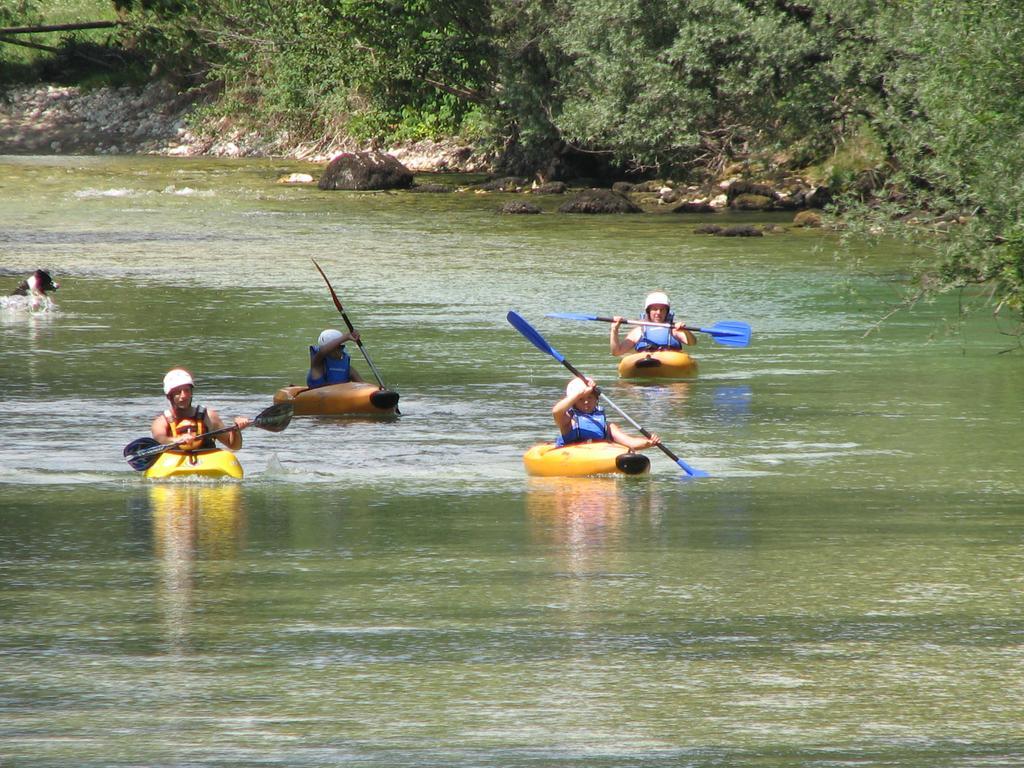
[[532, 336], [571, 316], [691, 471], [384, 399], [632, 463], [730, 333], [275, 418], [140, 454]]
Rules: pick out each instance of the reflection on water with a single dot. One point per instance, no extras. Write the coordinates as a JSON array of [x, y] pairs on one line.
[[661, 407], [26, 327], [732, 404], [585, 515], [191, 520], [667, 392]]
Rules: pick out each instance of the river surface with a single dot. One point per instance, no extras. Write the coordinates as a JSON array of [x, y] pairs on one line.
[[844, 590]]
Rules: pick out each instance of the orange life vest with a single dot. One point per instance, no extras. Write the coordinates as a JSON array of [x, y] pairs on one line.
[[190, 425]]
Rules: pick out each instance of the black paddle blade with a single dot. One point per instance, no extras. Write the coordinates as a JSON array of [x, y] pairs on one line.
[[632, 463], [135, 447], [384, 399], [275, 418]]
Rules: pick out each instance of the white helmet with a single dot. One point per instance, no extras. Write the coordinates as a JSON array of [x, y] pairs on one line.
[[575, 387], [177, 377], [657, 297], [328, 336]]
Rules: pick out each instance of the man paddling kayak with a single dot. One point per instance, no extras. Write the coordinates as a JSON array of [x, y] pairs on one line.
[[580, 420], [646, 338], [184, 424], [329, 363]]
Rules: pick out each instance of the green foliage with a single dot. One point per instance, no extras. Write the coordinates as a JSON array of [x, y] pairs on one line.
[[662, 83], [953, 120], [19, 13], [323, 67], [73, 57], [653, 82], [859, 155]]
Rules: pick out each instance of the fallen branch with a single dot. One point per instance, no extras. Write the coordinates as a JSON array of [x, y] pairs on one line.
[[60, 27]]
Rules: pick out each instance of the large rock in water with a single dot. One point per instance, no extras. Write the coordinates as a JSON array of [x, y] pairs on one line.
[[599, 201], [365, 170]]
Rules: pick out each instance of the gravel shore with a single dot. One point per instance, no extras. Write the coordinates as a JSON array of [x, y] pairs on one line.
[[50, 119]]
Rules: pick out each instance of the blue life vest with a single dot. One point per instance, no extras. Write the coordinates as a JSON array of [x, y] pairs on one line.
[[585, 426], [335, 371], [654, 337]]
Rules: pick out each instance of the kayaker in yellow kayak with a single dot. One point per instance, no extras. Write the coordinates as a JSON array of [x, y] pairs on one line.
[[184, 424], [580, 419], [649, 338], [329, 363]]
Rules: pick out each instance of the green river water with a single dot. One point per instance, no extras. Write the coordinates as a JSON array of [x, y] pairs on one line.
[[844, 590]]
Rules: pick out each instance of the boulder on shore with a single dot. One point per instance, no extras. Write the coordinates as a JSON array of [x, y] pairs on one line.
[[694, 206], [740, 188], [365, 171], [752, 202], [550, 188], [810, 219]]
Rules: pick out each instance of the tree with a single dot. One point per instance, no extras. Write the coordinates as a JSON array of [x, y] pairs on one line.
[[327, 67], [656, 83], [953, 120]]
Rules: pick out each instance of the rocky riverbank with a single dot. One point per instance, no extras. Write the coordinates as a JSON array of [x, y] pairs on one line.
[[51, 119], [155, 120]]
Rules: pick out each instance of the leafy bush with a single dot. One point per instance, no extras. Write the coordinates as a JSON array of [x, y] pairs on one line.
[[952, 121], [314, 67]]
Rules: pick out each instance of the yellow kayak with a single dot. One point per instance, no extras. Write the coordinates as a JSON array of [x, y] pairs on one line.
[[215, 462], [578, 459], [662, 364], [338, 399]]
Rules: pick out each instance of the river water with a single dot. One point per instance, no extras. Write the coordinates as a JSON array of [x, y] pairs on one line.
[[844, 590]]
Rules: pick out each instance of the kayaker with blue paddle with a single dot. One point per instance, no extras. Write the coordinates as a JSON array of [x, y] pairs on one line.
[[580, 419], [650, 338], [329, 363], [184, 423]]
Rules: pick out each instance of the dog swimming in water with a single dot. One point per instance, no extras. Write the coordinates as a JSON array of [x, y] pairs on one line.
[[36, 288]]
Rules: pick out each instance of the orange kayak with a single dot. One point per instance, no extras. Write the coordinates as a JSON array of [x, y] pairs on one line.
[[338, 399], [660, 364]]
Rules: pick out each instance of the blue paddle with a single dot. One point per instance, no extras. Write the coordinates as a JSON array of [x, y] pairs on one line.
[[730, 333], [538, 341]]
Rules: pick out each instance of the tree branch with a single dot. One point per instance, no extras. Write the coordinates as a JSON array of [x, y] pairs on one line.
[[463, 93]]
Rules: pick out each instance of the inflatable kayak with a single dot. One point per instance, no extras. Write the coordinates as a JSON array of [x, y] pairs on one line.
[[338, 399], [664, 363], [216, 462], [597, 458]]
